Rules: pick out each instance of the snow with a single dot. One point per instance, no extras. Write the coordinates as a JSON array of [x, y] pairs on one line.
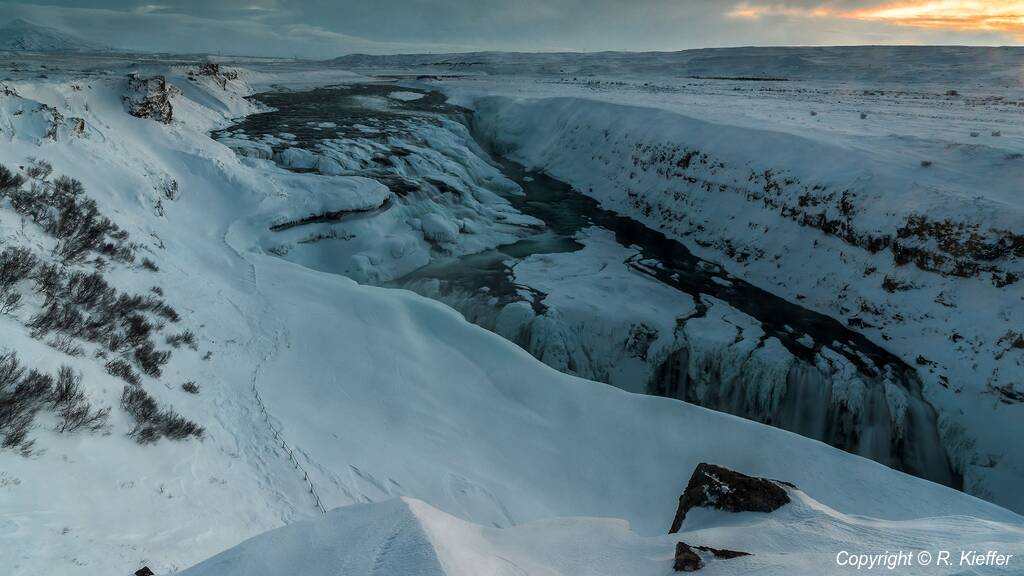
[[406, 96], [595, 303], [319, 391], [626, 140], [408, 536], [384, 538], [21, 35], [462, 218], [298, 158], [438, 229]]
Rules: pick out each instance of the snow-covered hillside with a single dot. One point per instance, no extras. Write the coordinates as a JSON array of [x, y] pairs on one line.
[[315, 392], [21, 35]]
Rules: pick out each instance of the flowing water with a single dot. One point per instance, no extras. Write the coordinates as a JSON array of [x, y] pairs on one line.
[[886, 420]]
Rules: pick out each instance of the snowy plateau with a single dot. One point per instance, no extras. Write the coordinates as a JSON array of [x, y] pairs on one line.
[[486, 314]]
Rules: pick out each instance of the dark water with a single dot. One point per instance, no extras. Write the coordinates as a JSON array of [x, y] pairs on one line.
[[565, 212]]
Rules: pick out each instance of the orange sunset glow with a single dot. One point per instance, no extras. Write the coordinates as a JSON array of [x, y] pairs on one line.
[[963, 15]]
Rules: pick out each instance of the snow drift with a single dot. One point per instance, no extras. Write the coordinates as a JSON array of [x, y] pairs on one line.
[[408, 536]]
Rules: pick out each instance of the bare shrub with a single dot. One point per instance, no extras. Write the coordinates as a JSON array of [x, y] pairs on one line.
[[152, 423], [11, 371], [184, 338], [22, 394], [177, 427], [158, 307], [82, 416], [63, 211], [89, 290], [57, 316], [72, 407], [191, 387], [137, 330], [9, 180], [67, 389], [16, 264], [48, 279], [150, 360], [150, 265], [38, 169], [10, 302], [123, 370], [67, 345], [139, 404]]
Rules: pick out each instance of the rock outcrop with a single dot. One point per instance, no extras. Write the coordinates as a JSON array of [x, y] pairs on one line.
[[150, 98], [213, 70], [688, 560], [716, 487]]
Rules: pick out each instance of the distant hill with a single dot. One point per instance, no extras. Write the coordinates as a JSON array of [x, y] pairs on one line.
[[898, 64], [24, 36]]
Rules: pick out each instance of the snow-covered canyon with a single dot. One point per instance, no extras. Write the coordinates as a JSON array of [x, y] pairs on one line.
[[863, 228], [754, 356], [317, 392]]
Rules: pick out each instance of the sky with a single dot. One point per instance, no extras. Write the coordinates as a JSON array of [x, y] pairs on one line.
[[329, 28]]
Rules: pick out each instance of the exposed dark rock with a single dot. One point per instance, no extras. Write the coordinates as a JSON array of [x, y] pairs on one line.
[[723, 489], [723, 553], [213, 70], [950, 248], [331, 216], [399, 186], [686, 559], [150, 98], [1007, 394]]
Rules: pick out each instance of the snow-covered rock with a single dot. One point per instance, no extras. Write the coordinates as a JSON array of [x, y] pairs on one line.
[[437, 228], [150, 98]]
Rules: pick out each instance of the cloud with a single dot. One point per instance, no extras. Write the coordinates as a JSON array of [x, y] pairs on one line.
[[148, 8], [163, 28], [758, 11], [329, 28], [987, 15], [948, 15]]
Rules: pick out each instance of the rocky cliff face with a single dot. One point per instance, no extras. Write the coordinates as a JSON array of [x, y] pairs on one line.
[[150, 98]]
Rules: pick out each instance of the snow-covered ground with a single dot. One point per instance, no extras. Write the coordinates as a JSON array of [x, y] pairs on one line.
[[410, 537], [316, 392]]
